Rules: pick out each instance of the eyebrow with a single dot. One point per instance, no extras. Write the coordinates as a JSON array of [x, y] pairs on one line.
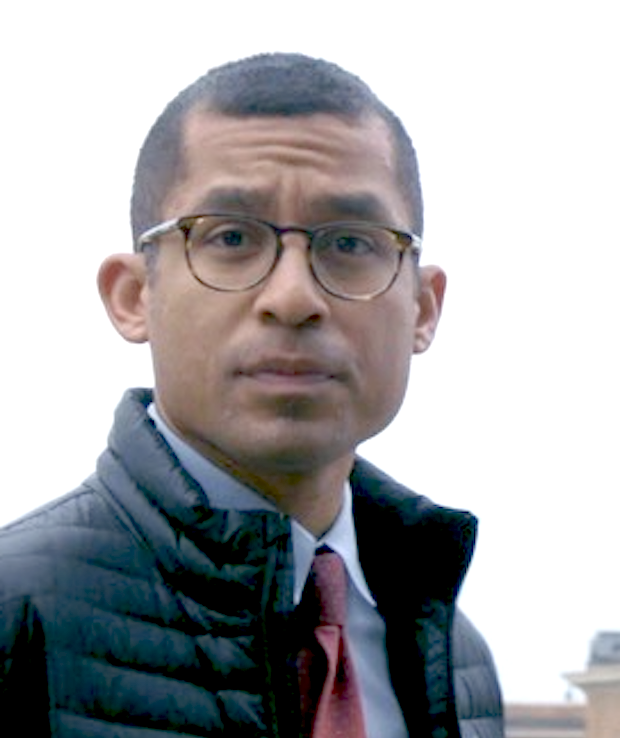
[[235, 200], [353, 206], [363, 206]]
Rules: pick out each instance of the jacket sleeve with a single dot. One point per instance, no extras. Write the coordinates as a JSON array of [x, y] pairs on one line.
[[477, 691]]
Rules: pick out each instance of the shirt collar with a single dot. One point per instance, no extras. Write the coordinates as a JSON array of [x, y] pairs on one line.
[[226, 492], [340, 538]]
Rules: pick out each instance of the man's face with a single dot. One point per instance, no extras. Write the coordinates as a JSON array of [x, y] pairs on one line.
[[283, 378]]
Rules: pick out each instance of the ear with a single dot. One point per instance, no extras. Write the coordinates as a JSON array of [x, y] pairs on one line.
[[431, 290], [122, 282]]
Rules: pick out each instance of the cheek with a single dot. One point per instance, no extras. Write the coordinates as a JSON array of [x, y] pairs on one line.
[[175, 341], [394, 371], [388, 360]]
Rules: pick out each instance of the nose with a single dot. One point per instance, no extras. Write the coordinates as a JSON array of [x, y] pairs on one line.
[[290, 295]]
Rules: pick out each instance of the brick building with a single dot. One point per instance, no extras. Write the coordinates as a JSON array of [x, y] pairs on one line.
[[545, 721]]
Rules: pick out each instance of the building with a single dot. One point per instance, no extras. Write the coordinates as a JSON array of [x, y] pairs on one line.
[[565, 720], [601, 684], [599, 717]]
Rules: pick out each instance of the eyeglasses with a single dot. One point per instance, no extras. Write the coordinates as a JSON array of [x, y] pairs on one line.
[[233, 253]]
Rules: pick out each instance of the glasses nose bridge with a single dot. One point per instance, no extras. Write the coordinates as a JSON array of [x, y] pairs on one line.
[[279, 232], [282, 231]]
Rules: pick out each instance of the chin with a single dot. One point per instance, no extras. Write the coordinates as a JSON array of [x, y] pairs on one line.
[[290, 455]]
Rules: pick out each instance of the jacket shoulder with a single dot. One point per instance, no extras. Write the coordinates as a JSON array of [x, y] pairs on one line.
[[82, 507], [477, 691], [79, 531]]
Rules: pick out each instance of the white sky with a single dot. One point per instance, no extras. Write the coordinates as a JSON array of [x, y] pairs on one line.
[[514, 108]]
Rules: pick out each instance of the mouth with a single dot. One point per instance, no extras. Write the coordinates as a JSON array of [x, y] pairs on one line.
[[290, 380], [291, 372]]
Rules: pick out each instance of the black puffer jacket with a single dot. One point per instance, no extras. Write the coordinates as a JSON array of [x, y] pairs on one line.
[[129, 608]]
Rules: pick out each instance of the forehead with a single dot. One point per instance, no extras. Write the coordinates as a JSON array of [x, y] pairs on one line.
[[270, 164]]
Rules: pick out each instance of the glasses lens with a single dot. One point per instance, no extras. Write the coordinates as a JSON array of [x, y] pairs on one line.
[[230, 252], [355, 260]]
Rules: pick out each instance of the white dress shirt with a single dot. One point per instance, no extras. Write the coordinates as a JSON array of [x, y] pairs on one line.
[[366, 627]]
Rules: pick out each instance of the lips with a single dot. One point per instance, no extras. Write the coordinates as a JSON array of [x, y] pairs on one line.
[[292, 369]]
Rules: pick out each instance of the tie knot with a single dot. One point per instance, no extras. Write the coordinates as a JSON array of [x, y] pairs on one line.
[[330, 586]]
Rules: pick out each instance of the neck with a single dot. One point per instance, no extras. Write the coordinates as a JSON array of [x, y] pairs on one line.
[[312, 493]]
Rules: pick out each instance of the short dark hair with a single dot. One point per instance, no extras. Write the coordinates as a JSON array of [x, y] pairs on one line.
[[264, 85]]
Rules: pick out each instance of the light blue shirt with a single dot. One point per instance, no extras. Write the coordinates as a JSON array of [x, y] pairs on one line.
[[365, 626]]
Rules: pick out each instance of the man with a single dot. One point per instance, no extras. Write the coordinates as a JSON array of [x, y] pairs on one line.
[[277, 219]]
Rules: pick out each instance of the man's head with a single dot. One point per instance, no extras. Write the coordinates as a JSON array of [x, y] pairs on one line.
[[279, 379], [287, 85]]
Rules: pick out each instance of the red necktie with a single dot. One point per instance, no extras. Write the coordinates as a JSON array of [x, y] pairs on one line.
[[330, 697]]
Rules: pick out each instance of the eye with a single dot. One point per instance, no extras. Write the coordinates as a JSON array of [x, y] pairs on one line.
[[348, 242], [215, 235], [229, 236], [352, 244]]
